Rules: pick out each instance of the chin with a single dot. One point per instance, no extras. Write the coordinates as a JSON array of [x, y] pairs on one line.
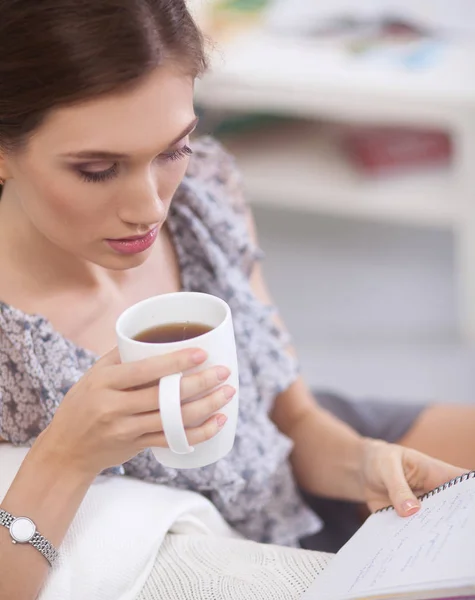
[[122, 262]]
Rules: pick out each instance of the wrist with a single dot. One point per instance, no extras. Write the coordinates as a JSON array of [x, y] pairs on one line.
[[41, 477], [354, 456], [50, 465], [48, 492], [373, 450], [328, 456], [49, 453]]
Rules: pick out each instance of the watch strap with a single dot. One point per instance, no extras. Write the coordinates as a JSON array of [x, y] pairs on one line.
[[37, 541], [6, 519]]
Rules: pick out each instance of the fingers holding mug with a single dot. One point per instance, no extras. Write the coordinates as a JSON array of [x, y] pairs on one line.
[[199, 383], [175, 416], [195, 435], [144, 399], [148, 370], [191, 396], [193, 413]]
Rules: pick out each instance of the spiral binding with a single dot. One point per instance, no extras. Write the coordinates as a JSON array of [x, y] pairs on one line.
[[437, 490]]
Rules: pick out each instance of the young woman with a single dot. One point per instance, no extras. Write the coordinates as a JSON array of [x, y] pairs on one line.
[[102, 206]]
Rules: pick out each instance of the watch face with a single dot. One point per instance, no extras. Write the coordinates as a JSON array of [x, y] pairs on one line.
[[22, 530]]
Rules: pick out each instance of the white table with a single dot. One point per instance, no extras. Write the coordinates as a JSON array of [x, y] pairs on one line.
[[257, 73]]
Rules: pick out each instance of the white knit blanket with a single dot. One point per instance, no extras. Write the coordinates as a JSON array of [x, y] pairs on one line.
[[111, 546]]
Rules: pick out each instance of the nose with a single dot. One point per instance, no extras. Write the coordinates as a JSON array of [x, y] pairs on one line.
[[142, 204]]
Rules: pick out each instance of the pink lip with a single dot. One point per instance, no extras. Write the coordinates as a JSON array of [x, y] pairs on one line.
[[134, 245]]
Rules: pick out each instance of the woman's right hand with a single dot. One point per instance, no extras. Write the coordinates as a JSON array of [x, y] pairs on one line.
[[112, 413]]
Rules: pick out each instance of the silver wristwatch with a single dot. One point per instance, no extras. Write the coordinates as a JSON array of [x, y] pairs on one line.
[[23, 531]]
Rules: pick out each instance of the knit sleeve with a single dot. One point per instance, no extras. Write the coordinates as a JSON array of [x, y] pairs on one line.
[[215, 230], [216, 171], [37, 368], [21, 413]]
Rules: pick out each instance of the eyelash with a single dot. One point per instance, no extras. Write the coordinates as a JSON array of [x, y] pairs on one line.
[[99, 176], [110, 173]]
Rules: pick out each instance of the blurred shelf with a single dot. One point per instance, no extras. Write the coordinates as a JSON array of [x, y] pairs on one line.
[[257, 71], [302, 168]]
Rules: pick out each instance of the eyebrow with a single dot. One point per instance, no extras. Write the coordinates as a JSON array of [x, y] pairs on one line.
[[104, 154]]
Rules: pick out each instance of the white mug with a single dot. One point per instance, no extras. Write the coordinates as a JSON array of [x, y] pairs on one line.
[[220, 345]]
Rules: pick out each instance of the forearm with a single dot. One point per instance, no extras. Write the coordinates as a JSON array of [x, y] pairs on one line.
[[327, 457], [50, 494]]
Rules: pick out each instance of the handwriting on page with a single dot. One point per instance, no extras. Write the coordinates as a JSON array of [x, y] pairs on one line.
[[433, 544]]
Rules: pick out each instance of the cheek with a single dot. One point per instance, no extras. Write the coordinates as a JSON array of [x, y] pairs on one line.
[[57, 207], [171, 177]]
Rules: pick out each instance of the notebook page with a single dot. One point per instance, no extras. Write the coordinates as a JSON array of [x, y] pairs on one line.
[[389, 553]]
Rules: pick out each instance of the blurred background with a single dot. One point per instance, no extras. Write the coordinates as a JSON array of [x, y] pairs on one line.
[[354, 126]]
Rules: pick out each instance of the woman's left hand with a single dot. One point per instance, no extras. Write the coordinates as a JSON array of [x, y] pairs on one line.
[[396, 475]]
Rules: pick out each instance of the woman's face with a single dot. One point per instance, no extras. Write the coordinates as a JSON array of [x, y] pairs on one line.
[[99, 172]]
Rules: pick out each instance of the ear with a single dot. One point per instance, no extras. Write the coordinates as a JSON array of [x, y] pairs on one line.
[[4, 171]]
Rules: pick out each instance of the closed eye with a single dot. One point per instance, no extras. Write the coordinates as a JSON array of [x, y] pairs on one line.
[[177, 154], [99, 176], [112, 171]]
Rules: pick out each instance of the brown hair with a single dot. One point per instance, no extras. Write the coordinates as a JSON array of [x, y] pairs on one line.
[[57, 52]]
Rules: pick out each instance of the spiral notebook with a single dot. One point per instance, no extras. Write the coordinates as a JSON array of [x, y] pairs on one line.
[[429, 555]]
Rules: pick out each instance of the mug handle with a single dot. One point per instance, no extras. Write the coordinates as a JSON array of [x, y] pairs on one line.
[[170, 411]]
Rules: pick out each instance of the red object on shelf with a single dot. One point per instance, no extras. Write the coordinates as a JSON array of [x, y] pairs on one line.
[[381, 149]]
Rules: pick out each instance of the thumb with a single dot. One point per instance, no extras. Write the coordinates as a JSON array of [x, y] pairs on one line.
[[400, 493]]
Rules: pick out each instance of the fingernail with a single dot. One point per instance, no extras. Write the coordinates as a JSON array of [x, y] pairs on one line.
[[198, 356], [221, 420], [222, 373], [228, 392], [410, 506]]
